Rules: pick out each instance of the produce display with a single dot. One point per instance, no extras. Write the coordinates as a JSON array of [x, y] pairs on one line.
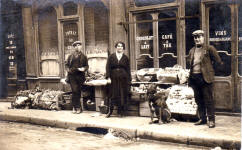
[[95, 78], [142, 88], [173, 75], [181, 97], [38, 99], [97, 60], [181, 100], [146, 74]]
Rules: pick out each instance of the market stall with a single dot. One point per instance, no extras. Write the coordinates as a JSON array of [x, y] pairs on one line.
[[173, 79], [96, 76]]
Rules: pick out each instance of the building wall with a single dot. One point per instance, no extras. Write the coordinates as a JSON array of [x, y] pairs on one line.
[[13, 70], [106, 22]]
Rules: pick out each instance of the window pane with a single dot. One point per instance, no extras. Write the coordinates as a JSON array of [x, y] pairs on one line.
[[96, 23], [70, 35], [240, 40], [220, 35], [70, 8], [191, 25], [192, 7], [144, 42], [48, 42], [167, 40], [151, 2]]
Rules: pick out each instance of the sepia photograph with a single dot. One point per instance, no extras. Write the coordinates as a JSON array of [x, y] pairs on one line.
[[120, 74]]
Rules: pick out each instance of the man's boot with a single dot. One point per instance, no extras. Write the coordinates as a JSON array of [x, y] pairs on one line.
[[211, 123]]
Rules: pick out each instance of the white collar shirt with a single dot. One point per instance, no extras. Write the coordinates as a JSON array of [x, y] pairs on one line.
[[119, 55]]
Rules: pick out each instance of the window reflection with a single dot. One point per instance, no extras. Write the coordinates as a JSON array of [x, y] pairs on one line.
[[70, 35], [192, 22], [192, 7], [167, 39], [48, 42], [144, 42], [70, 8], [220, 35]]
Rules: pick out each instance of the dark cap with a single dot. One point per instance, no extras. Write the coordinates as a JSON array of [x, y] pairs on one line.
[[198, 32], [76, 42]]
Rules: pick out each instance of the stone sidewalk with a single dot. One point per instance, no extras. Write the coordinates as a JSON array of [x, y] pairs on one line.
[[226, 134]]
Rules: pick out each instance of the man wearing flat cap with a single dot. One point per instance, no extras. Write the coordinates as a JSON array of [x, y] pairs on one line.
[[201, 58], [76, 65]]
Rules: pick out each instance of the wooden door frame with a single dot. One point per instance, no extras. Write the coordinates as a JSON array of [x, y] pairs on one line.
[[232, 79], [180, 27]]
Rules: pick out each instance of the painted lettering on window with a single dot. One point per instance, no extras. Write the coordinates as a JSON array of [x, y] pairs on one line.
[[144, 46], [11, 36], [68, 33], [166, 37], [166, 40], [141, 38], [220, 36], [221, 33]]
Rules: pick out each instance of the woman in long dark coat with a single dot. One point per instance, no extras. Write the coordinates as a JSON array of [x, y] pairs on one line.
[[118, 71]]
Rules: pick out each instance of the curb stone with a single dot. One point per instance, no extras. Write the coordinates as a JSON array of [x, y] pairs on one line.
[[131, 132]]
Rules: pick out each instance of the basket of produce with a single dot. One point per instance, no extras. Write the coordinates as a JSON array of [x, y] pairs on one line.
[[168, 75], [181, 100], [147, 74]]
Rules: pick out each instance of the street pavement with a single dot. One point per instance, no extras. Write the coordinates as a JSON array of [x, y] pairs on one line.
[[226, 134]]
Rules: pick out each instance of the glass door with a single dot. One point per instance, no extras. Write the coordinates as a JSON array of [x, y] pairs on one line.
[[219, 26], [239, 56], [167, 39], [70, 34], [144, 41], [156, 39]]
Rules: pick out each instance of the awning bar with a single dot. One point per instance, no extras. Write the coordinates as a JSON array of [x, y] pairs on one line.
[[165, 19]]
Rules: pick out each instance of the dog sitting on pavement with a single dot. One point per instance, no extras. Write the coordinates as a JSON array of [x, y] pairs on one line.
[[157, 104]]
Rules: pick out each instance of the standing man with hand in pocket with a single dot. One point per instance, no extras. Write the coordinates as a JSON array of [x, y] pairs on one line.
[[76, 65], [202, 57]]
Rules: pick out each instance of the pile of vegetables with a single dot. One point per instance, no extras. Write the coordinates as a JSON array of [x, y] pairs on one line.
[[38, 99], [181, 100]]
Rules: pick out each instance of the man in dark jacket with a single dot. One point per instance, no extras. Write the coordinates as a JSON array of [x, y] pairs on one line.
[[76, 65], [202, 57]]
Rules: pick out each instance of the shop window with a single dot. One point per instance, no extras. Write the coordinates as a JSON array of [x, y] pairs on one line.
[[70, 8], [70, 30], [192, 7], [167, 39], [240, 41], [48, 42], [96, 27], [144, 41], [220, 35], [192, 22], [151, 2]]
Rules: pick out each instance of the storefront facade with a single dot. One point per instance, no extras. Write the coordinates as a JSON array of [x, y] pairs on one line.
[[157, 35], [160, 36]]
